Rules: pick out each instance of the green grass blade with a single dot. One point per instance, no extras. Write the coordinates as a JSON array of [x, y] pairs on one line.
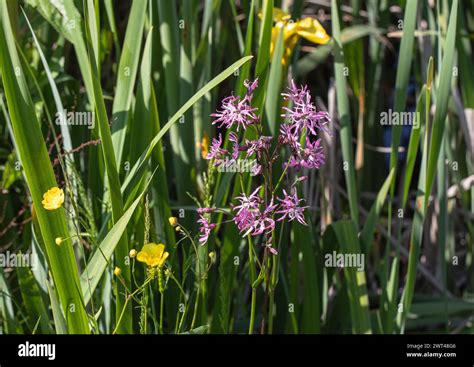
[[245, 70], [373, 216], [442, 99], [54, 89], [33, 300], [126, 76], [121, 251], [414, 144], [272, 111], [8, 322], [311, 312], [67, 21], [263, 57], [58, 317], [141, 129], [93, 28], [264, 41], [403, 75], [109, 9], [40, 177], [346, 233], [344, 115]]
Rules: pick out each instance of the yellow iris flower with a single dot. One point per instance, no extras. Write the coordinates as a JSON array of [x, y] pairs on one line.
[[53, 198], [308, 28], [153, 255]]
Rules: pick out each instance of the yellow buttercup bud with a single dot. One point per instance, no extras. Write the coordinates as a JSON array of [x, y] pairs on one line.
[[117, 271], [212, 256], [173, 221], [133, 253], [58, 240]]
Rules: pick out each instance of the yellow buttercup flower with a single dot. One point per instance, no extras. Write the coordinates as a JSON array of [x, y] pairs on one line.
[[153, 255], [53, 198], [117, 271], [308, 28]]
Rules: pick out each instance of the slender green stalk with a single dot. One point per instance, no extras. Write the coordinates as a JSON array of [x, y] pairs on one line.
[[162, 303], [253, 279]]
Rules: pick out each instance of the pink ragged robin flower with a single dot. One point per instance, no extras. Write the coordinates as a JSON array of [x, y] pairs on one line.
[[205, 226], [215, 150], [290, 208], [237, 111]]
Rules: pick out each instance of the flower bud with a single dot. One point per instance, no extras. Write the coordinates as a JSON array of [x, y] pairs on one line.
[[117, 271], [173, 221]]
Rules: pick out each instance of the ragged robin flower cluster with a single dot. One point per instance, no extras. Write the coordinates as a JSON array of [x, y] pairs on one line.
[[256, 214]]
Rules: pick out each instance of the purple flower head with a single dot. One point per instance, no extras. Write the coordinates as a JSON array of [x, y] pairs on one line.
[[215, 150], [235, 111], [289, 136], [250, 220], [235, 145], [303, 113], [253, 222], [255, 169], [264, 222], [245, 219], [205, 229], [313, 154], [258, 146], [295, 162], [251, 86], [294, 93], [250, 202], [290, 208], [310, 157]]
